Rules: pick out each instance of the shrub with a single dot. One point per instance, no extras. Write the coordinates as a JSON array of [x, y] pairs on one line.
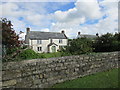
[[30, 54], [107, 43], [10, 51], [24, 47], [79, 46]]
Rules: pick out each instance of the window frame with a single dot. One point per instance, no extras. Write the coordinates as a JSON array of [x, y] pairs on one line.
[[39, 41], [60, 41], [39, 48]]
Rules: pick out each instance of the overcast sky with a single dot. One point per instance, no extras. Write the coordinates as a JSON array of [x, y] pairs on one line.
[[86, 16]]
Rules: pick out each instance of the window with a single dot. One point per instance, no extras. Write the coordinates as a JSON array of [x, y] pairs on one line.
[[39, 41], [39, 48], [60, 40]]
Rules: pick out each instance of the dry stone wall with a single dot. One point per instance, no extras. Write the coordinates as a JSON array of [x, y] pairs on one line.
[[43, 73]]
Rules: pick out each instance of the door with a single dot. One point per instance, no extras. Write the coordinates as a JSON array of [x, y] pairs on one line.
[[53, 49]]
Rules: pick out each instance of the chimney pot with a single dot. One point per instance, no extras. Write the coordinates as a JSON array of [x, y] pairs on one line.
[[28, 29], [63, 31], [97, 34], [78, 33]]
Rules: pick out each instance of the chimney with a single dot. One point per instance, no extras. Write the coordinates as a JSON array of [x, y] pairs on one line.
[[78, 36], [78, 33], [97, 34], [27, 30], [63, 31]]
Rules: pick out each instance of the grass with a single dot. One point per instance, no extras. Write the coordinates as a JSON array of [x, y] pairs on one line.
[[50, 55], [108, 79], [55, 54]]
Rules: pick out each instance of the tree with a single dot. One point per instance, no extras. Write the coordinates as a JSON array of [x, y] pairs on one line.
[[116, 42], [79, 46], [105, 43], [117, 36], [9, 37]]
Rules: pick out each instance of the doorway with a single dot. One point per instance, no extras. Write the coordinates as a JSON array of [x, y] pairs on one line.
[[53, 49]]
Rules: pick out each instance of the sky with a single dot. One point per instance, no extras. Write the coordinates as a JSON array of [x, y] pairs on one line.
[[73, 16]]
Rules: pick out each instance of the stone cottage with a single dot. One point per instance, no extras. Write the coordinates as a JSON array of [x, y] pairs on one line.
[[45, 41]]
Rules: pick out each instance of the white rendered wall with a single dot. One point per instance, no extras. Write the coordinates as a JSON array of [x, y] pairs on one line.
[[33, 44]]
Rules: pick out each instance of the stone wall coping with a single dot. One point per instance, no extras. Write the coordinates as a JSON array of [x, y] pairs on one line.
[[44, 60]]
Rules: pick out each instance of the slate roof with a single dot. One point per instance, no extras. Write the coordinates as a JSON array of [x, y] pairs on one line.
[[87, 36], [46, 35]]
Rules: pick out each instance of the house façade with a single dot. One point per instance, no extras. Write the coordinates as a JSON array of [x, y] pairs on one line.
[[44, 42]]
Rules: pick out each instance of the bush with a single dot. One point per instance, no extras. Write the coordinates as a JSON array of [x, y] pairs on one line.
[[10, 51], [30, 54], [107, 43], [78, 46], [63, 53], [24, 47]]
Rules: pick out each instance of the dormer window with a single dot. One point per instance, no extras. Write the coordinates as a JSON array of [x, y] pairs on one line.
[[60, 40], [39, 41]]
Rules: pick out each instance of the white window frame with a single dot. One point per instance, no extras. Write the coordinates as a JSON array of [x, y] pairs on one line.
[[60, 41], [39, 41]]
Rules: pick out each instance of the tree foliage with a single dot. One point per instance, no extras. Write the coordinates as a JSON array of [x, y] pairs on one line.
[[79, 46], [107, 42], [9, 37]]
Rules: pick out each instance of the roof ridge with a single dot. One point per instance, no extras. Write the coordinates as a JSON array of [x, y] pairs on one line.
[[89, 34], [45, 32]]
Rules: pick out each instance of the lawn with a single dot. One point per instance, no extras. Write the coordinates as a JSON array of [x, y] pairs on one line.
[[50, 55], [55, 54], [108, 79]]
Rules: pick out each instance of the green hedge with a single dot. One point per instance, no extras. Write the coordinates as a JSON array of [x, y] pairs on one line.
[[30, 54]]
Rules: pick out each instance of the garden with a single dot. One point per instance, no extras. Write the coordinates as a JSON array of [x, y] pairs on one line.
[[14, 50]]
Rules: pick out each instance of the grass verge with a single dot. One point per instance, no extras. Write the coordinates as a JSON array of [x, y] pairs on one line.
[[108, 79]]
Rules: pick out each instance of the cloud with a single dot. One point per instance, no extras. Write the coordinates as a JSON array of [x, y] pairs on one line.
[[39, 16], [85, 10], [31, 13], [45, 30], [36, 20], [90, 10], [18, 25], [39, 1], [70, 20], [9, 9]]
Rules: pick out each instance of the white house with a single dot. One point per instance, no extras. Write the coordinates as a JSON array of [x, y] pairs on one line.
[[45, 41], [86, 36], [21, 38]]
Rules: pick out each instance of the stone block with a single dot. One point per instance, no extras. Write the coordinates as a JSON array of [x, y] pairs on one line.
[[9, 83], [86, 58], [41, 76], [10, 74], [37, 81]]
